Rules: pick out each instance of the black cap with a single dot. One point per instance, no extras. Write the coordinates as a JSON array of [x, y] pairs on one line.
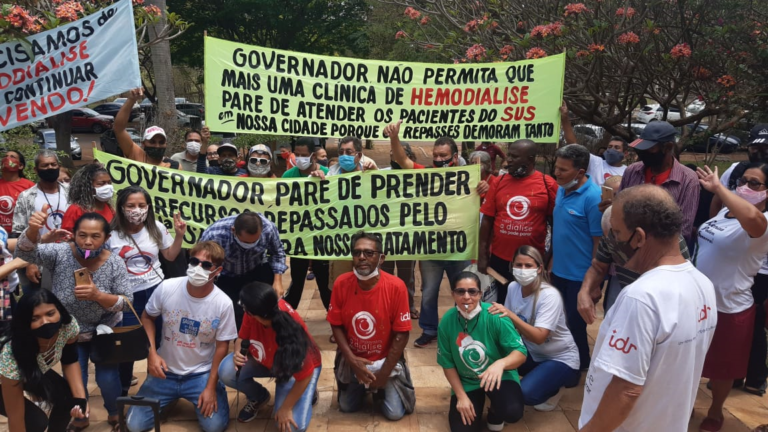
[[656, 132], [758, 134]]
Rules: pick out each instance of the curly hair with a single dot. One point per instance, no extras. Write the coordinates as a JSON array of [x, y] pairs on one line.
[[81, 190]]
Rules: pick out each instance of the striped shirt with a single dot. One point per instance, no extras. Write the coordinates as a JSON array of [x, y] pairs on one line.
[[682, 184], [240, 261], [608, 253]]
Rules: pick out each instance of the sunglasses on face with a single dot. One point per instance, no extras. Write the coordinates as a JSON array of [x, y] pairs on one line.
[[753, 184], [258, 161], [471, 291], [367, 252], [194, 262]]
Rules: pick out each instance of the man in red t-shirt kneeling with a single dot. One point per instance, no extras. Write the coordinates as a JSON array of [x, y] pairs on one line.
[[370, 319]]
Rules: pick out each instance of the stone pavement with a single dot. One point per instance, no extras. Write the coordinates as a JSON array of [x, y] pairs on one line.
[[744, 411]]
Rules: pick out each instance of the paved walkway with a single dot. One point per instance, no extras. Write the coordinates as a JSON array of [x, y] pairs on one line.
[[744, 411]]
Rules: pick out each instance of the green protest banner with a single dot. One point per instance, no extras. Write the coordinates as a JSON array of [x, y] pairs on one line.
[[419, 214], [268, 91]]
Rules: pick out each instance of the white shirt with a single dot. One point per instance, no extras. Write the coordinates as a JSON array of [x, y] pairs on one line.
[[191, 326], [550, 315], [143, 265], [724, 179], [599, 170], [730, 258], [59, 204], [656, 335]]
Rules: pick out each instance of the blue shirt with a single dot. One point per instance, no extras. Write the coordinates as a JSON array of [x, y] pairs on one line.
[[240, 261], [576, 221]]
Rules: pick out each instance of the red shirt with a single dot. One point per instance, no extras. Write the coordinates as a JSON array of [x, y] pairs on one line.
[[370, 317], [494, 151], [520, 208], [418, 166], [9, 193], [75, 211], [657, 179], [264, 345]]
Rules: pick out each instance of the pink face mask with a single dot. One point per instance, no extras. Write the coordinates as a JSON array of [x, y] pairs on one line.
[[751, 196]]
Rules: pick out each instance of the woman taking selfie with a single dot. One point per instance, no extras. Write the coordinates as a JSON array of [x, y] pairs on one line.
[[98, 297], [536, 309], [41, 334], [280, 347], [479, 353]]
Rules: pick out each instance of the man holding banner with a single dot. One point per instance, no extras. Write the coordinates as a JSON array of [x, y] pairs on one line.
[[154, 143], [444, 154]]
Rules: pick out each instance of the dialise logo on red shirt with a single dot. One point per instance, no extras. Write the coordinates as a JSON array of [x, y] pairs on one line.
[[621, 344], [257, 350], [518, 207], [364, 325]]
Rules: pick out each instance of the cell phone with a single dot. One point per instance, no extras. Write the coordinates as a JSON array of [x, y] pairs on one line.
[[607, 193], [82, 276]]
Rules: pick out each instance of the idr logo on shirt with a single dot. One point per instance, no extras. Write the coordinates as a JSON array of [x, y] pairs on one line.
[[364, 325], [190, 327], [257, 348], [621, 344], [518, 207], [704, 313], [472, 353]]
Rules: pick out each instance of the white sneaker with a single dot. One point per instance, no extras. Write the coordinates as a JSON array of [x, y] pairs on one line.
[[551, 403], [495, 427]]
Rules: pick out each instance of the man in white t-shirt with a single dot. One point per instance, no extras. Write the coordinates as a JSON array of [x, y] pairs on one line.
[[612, 162], [198, 325], [650, 350]]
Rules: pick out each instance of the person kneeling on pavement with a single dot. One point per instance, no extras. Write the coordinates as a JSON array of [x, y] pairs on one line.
[[280, 347]]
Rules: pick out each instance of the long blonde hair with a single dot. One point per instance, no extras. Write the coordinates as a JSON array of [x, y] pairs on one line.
[[535, 255]]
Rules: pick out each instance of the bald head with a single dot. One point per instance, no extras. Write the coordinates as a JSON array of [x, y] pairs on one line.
[[651, 208], [526, 148]]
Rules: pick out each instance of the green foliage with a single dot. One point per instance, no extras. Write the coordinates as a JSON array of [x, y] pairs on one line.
[[19, 140]]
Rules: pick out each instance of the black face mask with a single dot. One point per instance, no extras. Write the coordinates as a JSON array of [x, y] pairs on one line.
[[654, 161], [323, 162], [520, 172], [213, 162], [394, 165], [442, 164], [47, 331], [48, 175], [156, 153]]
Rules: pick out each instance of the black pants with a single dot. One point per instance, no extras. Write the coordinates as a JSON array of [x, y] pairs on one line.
[[506, 406], [501, 267], [231, 285], [757, 372], [405, 272], [299, 268], [63, 402]]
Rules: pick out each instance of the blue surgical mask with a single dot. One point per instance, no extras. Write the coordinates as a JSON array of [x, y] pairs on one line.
[[92, 253], [347, 163]]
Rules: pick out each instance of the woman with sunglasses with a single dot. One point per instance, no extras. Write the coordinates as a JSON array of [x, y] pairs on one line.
[[480, 353], [731, 248], [259, 163], [139, 239], [536, 309]]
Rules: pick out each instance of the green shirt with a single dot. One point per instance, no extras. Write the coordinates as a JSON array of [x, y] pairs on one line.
[[295, 173], [488, 338]]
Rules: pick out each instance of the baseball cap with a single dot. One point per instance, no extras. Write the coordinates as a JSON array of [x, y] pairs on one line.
[[656, 132], [260, 148], [152, 131], [759, 134], [226, 146]]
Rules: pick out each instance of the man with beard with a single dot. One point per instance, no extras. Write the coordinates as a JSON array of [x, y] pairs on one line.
[[516, 211]]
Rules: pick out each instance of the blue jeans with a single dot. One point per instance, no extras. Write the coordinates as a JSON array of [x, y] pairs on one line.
[[431, 277], [107, 378], [543, 380], [140, 299], [351, 399], [175, 387], [302, 410], [570, 291]]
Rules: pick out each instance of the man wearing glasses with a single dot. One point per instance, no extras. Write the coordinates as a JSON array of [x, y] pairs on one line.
[[259, 163], [370, 319]]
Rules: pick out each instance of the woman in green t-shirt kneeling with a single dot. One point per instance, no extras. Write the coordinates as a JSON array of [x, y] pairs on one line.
[[479, 353]]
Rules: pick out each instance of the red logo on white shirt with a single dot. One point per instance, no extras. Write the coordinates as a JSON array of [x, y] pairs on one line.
[[364, 325], [621, 344], [704, 313]]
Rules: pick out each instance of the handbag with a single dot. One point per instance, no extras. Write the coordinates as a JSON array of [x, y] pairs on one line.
[[125, 344]]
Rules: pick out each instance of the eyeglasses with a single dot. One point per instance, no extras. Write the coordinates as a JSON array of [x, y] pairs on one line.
[[194, 262], [753, 184], [211, 154], [473, 292], [367, 252], [258, 161]]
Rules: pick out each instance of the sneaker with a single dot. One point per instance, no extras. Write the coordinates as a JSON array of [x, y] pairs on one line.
[[310, 276], [424, 340], [134, 381], [551, 403], [251, 409], [495, 427]]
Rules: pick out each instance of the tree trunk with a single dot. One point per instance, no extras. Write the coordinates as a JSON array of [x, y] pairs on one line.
[[163, 71], [62, 124]]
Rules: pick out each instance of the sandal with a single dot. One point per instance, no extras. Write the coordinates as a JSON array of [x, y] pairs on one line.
[[115, 424], [77, 426], [710, 424], [414, 314]]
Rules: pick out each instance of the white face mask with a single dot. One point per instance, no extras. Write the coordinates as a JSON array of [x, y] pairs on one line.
[[258, 170], [303, 162], [198, 277], [245, 245], [104, 193], [570, 184], [193, 148], [525, 276], [369, 276], [471, 314]]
